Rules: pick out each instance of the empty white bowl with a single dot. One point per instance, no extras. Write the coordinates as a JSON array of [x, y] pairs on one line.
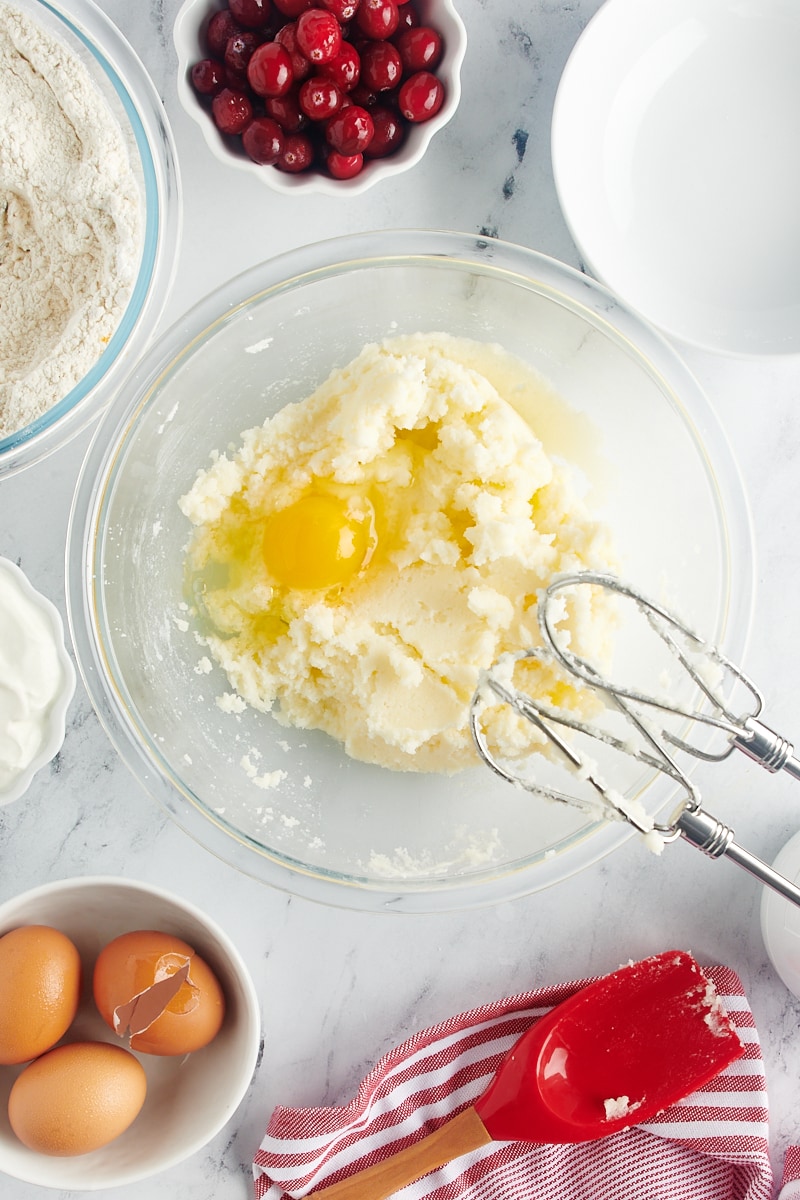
[[674, 143], [189, 1098], [189, 32], [780, 919]]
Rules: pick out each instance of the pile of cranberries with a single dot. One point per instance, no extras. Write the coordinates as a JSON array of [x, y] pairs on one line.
[[324, 84]]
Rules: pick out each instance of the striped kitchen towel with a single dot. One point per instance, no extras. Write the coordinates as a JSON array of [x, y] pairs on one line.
[[791, 1175], [710, 1146]]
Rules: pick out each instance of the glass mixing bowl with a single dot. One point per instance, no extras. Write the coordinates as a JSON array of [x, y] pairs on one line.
[[121, 79], [337, 830]]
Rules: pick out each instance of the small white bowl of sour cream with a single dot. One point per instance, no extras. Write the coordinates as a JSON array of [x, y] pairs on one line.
[[37, 681]]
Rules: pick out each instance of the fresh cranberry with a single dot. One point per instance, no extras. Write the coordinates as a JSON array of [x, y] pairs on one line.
[[350, 130], [345, 68], [286, 111], [263, 140], [381, 67], [269, 71], [253, 14], [377, 18], [364, 96], [421, 97], [319, 35], [344, 166], [298, 154], [287, 37], [420, 48], [343, 10], [231, 110], [239, 51], [292, 8], [208, 77], [221, 27], [319, 98], [409, 17], [389, 132], [237, 81]]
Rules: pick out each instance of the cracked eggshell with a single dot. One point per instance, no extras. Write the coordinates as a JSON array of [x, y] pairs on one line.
[[153, 988]]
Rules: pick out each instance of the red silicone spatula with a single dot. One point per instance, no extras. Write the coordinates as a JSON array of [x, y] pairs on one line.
[[613, 1055]]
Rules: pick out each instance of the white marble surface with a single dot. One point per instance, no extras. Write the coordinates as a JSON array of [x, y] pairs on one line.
[[339, 988]]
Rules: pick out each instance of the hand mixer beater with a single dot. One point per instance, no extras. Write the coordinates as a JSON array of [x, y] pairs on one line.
[[653, 724]]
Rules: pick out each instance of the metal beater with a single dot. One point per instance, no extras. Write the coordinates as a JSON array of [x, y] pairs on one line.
[[742, 731], [690, 820]]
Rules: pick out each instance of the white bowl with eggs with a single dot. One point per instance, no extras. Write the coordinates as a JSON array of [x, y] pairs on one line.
[[98, 172], [285, 803], [190, 1097], [189, 38]]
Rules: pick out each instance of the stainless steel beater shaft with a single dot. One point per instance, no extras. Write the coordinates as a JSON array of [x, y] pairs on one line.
[[704, 831], [767, 748]]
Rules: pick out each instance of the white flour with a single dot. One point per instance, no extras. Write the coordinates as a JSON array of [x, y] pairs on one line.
[[70, 221]]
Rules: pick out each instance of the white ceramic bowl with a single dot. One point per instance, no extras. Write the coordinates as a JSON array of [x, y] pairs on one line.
[[674, 142], [124, 83], [189, 1099], [780, 919], [54, 718], [336, 829], [189, 31]]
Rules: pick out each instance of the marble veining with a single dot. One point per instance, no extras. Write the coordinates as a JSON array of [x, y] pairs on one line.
[[338, 989]]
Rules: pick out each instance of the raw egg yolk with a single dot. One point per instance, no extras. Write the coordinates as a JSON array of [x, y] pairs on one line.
[[319, 541]]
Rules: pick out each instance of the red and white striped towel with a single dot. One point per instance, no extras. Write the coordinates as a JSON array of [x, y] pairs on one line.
[[710, 1146]]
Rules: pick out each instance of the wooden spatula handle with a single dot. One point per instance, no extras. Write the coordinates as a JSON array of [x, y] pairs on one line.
[[458, 1136]]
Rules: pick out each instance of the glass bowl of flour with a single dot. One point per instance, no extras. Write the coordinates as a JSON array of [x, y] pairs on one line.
[[329, 497], [89, 195]]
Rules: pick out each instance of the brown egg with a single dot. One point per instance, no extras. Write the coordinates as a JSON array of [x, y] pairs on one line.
[[40, 983], [153, 988], [76, 1098]]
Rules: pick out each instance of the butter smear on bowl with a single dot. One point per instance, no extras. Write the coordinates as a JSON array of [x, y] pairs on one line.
[[37, 681], [366, 553]]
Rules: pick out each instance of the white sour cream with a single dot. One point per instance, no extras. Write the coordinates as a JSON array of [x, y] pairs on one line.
[[36, 679]]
